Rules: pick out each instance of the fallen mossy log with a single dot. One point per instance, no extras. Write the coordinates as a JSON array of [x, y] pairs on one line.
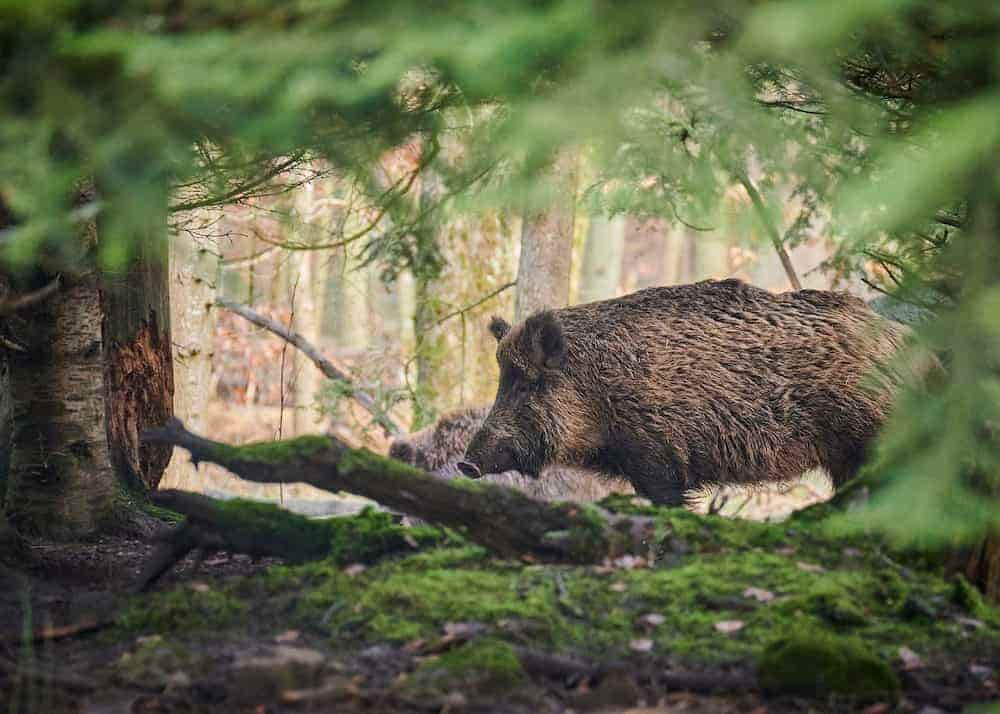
[[265, 530], [505, 521]]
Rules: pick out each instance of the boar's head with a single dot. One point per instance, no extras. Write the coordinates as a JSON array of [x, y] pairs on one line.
[[521, 429]]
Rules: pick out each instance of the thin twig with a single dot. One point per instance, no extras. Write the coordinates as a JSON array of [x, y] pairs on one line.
[[477, 303], [325, 364], [770, 229]]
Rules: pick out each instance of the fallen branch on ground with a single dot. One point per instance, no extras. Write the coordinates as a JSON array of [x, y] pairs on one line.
[[265, 530], [325, 365], [503, 520]]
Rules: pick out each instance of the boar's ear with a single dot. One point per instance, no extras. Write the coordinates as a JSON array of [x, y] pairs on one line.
[[545, 341], [499, 327]]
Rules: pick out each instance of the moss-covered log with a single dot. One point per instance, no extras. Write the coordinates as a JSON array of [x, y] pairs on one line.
[[505, 521], [263, 529]]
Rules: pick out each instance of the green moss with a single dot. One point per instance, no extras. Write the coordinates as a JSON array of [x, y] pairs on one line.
[[815, 663], [180, 610], [965, 595], [485, 666], [275, 452], [153, 660], [373, 534], [706, 566], [832, 602]]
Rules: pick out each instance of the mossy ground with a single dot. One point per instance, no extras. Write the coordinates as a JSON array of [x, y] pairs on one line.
[[774, 586]]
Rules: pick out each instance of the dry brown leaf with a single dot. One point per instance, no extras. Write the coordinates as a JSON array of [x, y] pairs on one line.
[[759, 594], [810, 567], [729, 626], [643, 644], [910, 659]]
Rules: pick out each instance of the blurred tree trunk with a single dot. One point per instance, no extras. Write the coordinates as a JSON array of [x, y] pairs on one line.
[[672, 256], [313, 268], [349, 288], [543, 271], [95, 372], [602, 258], [193, 286]]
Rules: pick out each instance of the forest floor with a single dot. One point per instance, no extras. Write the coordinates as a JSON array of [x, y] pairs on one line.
[[728, 615]]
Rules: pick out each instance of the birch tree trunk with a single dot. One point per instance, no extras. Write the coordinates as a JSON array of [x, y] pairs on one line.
[[602, 258], [61, 481], [193, 287], [543, 271]]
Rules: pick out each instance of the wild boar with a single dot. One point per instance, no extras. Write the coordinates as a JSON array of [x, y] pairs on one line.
[[439, 447], [677, 388]]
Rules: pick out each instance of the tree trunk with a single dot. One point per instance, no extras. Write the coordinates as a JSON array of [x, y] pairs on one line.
[[543, 272], [61, 482], [193, 287], [602, 258], [138, 361]]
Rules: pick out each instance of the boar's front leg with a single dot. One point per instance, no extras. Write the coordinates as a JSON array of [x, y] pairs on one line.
[[661, 490], [663, 481]]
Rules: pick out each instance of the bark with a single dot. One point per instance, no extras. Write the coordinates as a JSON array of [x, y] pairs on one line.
[[5, 423], [543, 271], [61, 483], [602, 258], [503, 520], [139, 377], [193, 286]]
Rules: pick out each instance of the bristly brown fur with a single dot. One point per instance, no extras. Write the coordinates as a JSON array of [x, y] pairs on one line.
[[678, 387], [440, 446]]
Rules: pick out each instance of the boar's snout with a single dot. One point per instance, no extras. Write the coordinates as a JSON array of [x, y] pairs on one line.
[[469, 469], [486, 456]]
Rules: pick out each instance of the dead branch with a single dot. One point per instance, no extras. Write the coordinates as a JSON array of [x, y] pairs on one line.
[[503, 520], [323, 363], [477, 303], [10, 305], [771, 230]]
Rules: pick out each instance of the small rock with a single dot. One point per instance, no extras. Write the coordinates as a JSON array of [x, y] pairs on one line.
[[787, 550], [199, 587], [355, 569], [618, 586], [287, 636], [262, 677], [176, 683], [454, 702], [979, 670]]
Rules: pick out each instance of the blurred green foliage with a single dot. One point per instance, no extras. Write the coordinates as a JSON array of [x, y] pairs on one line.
[[882, 115]]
